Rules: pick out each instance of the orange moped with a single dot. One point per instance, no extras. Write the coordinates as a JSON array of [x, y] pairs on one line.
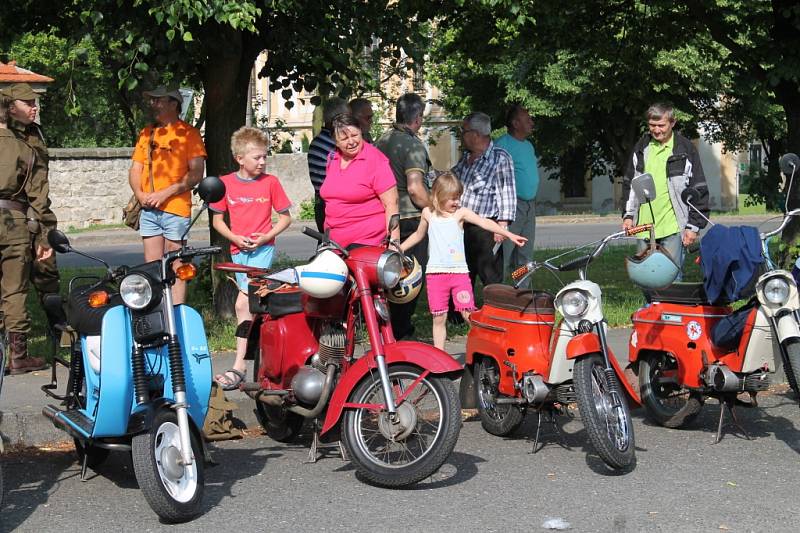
[[522, 359]]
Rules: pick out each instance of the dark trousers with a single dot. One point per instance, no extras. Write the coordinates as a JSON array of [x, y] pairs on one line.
[[319, 212], [401, 313], [481, 261]]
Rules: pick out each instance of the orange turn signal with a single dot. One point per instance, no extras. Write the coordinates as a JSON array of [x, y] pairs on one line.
[[98, 298], [186, 272]]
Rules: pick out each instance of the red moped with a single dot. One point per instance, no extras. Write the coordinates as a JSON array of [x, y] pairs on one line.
[[396, 405], [521, 360]]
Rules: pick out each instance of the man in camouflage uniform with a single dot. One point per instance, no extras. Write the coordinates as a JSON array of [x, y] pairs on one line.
[[22, 115], [23, 185]]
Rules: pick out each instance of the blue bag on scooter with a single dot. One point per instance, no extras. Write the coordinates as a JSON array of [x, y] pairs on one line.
[[727, 333]]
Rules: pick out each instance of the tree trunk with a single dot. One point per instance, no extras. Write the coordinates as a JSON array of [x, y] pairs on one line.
[[226, 75]]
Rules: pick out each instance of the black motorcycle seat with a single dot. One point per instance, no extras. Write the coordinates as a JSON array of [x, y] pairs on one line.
[[521, 300], [682, 292]]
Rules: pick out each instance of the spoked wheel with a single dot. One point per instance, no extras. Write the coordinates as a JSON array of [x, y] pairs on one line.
[[496, 419], [174, 491], [605, 413], [791, 367], [400, 451], [666, 402], [278, 423]]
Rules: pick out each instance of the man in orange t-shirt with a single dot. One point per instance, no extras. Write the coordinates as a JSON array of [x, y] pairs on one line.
[[177, 157]]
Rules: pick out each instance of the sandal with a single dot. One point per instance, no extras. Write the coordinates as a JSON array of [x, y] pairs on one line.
[[230, 384]]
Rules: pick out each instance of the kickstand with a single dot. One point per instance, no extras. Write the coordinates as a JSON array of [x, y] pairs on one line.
[[84, 466], [550, 414], [729, 404], [317, 444]]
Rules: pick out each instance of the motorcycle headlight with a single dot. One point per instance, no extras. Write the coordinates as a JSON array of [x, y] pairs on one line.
[[136, 291], [574, 304], [776, 291], [390, 265]]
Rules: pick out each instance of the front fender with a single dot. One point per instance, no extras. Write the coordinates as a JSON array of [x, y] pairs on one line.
[[589, 343], [422, 355]]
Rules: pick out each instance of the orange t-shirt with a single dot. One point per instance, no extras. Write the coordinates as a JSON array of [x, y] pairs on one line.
[[174, 146]]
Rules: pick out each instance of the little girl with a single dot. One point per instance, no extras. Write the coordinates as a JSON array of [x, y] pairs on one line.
[[447, 273]]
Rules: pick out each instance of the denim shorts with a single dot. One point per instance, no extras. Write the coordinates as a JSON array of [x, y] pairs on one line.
[[260, 257], [153, 222]]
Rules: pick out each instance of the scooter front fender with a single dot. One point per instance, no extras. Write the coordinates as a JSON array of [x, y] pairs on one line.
[[422, 355], [589, 343]]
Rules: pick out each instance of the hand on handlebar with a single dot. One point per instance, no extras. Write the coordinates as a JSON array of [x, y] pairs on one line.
[[627, 223], [689, 237]]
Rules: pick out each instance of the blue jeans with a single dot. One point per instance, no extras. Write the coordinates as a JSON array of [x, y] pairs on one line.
[[524, 224], [673, 245]]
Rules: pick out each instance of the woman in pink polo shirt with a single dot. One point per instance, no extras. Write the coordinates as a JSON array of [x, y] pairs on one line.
[[359, 190]]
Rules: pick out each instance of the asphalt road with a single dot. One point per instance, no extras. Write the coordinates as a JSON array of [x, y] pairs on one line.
[[123, 247], [681, 483]]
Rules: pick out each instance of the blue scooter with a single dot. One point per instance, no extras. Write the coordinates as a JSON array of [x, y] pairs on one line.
[[139, 373]]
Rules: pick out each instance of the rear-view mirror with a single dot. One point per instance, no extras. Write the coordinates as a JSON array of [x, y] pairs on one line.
[[58, 241], [644, 187]]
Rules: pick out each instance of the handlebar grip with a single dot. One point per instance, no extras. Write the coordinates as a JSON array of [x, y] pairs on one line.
[[313, 233], [633, 230], [518, 273]]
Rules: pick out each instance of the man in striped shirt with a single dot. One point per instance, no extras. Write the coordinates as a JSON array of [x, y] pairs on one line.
[[487, 172], [322, 145]]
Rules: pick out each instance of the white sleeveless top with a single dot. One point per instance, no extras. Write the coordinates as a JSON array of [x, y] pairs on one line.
[[445, 246]]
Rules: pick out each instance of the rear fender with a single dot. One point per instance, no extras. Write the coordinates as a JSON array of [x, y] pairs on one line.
[[589, 343], [418, 354]]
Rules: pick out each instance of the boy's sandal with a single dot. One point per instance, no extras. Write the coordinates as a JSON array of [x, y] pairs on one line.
[[231, 384]]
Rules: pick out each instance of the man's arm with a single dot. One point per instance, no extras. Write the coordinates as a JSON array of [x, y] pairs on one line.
[[506, 192], [135, 180], [189, 180], [415, 184]]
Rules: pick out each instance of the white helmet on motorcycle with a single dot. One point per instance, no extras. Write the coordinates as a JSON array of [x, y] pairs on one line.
[[409, 285], [324, 276]]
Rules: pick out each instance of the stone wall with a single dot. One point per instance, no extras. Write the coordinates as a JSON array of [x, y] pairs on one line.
[[90, 185]]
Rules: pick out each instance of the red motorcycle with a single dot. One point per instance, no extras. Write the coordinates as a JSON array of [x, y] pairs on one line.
[[396, 405]]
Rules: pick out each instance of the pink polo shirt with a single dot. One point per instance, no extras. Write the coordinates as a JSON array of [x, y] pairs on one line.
[[353, 210]]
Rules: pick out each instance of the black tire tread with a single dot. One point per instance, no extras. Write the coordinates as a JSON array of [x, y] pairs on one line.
[[582, 377], [792, 369], [653, 406], [398, 477], [514, 416], [150, 484]]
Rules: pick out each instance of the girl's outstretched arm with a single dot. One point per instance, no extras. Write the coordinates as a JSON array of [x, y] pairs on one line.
[[418, 235], [490, 225]]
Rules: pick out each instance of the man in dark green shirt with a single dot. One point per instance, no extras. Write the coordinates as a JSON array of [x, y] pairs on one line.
[[410, 165]]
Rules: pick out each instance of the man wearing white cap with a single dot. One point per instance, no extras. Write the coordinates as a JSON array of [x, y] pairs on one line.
[[168, 160]]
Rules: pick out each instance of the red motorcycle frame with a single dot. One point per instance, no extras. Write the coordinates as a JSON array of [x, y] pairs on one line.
[[396, 404]]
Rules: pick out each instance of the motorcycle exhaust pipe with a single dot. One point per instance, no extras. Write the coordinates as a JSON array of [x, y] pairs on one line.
[[722, 379]]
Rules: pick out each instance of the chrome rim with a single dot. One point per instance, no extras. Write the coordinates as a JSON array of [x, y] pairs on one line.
[[615, 419], [406, 439], [179, 480], [488, 390]]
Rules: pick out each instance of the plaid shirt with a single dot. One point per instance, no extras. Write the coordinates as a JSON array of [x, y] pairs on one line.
[[489, 188]]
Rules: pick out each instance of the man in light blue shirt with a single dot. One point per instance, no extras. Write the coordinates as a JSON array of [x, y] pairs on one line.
[[526, 174]]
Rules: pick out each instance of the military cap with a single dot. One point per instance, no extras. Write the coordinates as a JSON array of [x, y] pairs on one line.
[[171, 91], [20, 91]]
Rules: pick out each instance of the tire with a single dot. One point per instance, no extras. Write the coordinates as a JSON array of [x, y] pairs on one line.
[[174, 496], [498, 420], [431, 421], [792, 365], [279, 424], [666, 404], [610, 430], [96, 454]]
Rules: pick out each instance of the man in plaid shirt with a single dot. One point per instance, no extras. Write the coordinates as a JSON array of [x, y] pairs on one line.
[[487, 173]]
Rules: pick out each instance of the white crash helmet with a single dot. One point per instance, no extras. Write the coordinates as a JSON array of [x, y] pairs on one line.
[[409, 285], [324, 276]]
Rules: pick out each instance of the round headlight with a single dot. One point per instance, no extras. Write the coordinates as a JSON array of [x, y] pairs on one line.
[[382, 309], [574, 304], [776, 291], [136, 291], [390, 265]]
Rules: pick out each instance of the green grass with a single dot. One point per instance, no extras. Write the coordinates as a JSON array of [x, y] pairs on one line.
[[94, 227], [620, 297]]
